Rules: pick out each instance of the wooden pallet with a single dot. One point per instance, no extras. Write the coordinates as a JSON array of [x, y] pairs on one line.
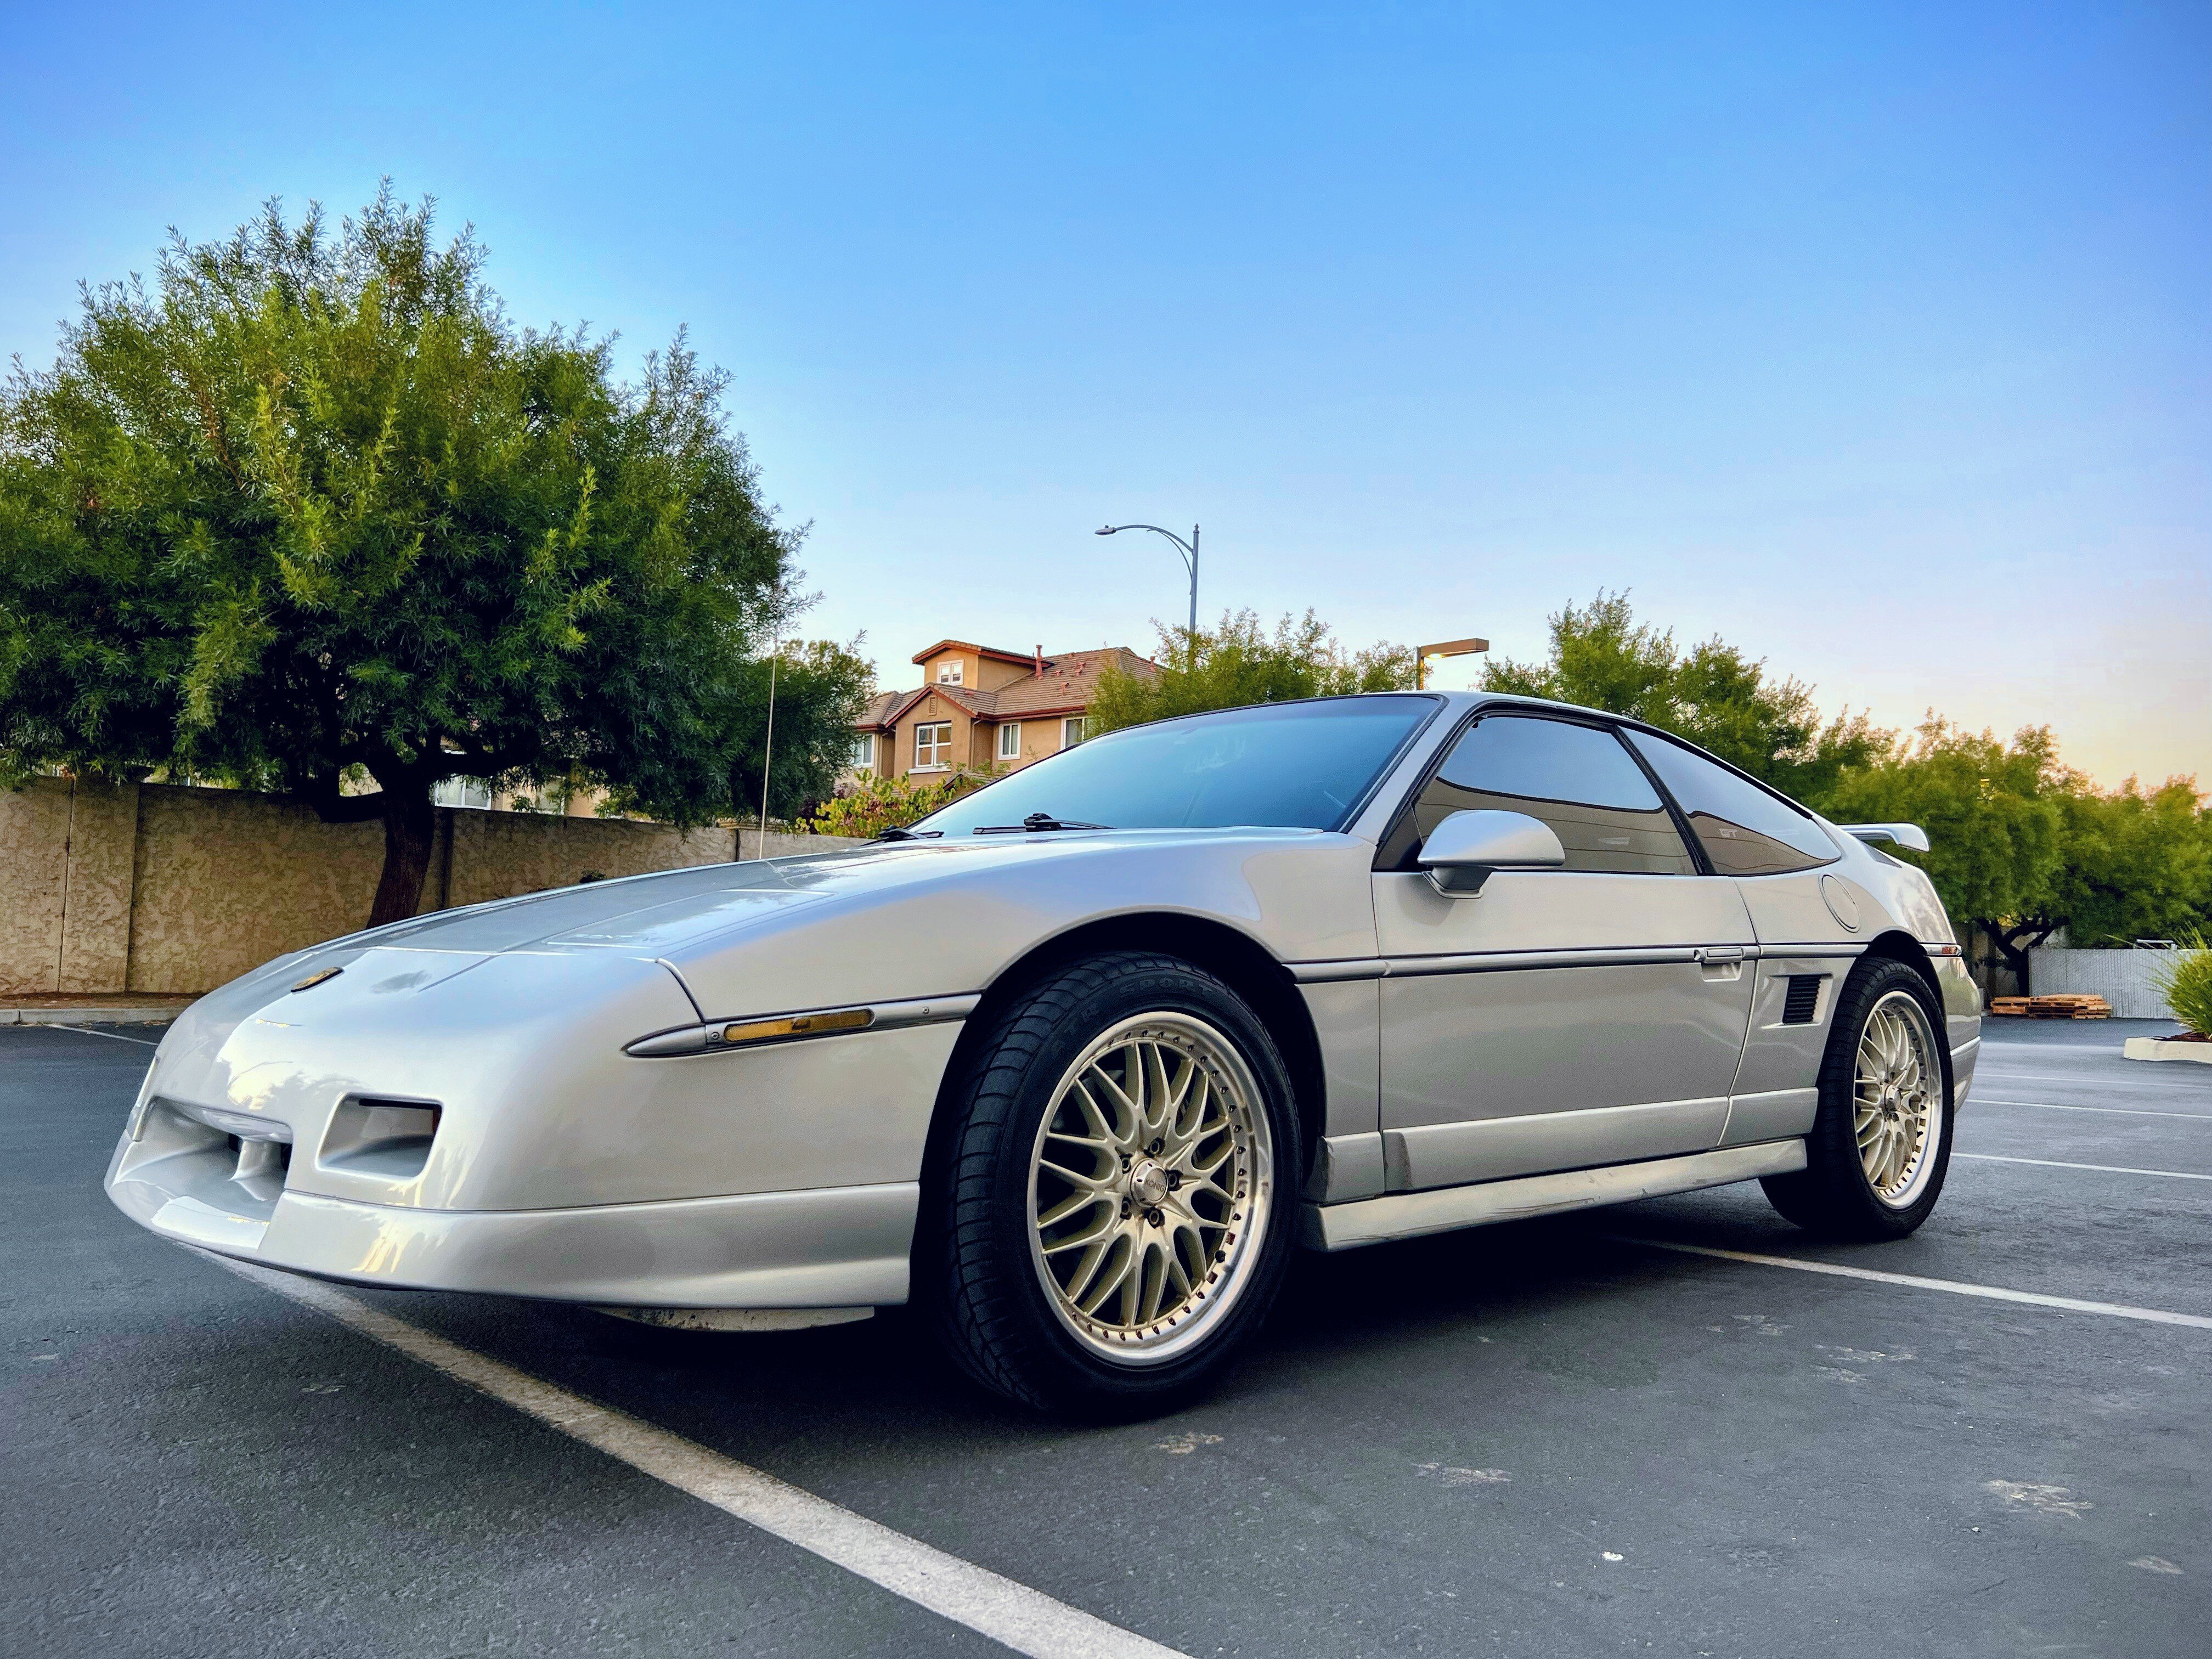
[[2066, 1005]]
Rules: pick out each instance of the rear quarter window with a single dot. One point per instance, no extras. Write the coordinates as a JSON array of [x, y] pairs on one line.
[[1745, 831]]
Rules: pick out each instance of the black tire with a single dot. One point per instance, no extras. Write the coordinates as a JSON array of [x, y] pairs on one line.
[[1833, 1196], [991, 1308]]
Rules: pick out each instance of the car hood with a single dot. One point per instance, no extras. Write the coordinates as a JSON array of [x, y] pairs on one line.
[[681, 910], [884, 921]]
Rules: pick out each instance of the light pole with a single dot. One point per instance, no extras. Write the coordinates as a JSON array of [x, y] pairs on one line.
[[1189, 551], [1449, 648]]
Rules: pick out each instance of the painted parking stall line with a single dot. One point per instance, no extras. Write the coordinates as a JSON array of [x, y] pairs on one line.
[[1914, 1281], [2115, 1111], [2005, 1074], [86, 1030], [2102, 1168], [1027, 1621]]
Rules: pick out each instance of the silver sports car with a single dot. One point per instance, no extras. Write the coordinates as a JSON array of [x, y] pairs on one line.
[[1079, 1060]]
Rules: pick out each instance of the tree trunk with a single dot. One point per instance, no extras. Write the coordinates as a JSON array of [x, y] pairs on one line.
[[2013, 944], [410, 825]]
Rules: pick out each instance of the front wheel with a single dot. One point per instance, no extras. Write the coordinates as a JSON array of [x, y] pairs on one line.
[[1117, 1206], [1881, 1143]]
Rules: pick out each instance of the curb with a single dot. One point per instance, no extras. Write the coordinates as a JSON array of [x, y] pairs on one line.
[[2165, 1049]]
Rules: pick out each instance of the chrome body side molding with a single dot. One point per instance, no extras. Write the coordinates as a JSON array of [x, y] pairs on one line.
[[1410, 1215], [1507, 961]]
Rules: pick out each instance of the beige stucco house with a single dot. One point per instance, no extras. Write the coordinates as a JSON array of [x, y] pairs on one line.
[[978, 709]]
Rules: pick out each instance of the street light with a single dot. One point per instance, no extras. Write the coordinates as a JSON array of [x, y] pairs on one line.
[[1189, 551], [1449, 648]]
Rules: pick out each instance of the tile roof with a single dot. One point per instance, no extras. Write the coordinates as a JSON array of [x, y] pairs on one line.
[[991, 651], [1070, 680]]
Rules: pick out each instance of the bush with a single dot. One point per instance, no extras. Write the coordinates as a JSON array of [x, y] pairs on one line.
[[2184, 980], [868, 806]]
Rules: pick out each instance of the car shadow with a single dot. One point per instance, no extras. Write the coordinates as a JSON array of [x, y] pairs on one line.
[[882, 1388]]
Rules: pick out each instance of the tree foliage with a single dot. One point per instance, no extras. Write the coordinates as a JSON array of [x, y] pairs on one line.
[[1602, 657], [2022, 845], [310, 508], [869, 804], [1238, 663]]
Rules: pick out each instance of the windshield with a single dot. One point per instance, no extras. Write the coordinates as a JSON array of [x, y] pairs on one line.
[[1287, 766]]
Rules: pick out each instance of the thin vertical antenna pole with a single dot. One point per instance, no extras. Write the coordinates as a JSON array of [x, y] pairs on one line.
[[767, 744]]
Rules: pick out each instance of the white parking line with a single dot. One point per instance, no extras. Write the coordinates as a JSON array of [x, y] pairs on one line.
[[2105, 1169], [2054, 1106], [1028, 1622], [86, 1030], [1956, 1287], [2171, 1085]]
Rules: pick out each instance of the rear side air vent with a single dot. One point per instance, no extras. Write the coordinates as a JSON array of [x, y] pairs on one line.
[[1803, 1000]]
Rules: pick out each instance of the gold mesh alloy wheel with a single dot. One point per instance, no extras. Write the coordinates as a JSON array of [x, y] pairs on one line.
[[1150, 1188], [1896, 1099]]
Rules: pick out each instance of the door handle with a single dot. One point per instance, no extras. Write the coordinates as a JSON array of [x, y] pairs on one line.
[[1719, 953]]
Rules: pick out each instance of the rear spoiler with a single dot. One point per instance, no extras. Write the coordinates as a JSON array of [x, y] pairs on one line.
[[1910, 835]]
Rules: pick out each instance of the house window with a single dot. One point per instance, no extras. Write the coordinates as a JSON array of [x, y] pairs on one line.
[[1071, 731], [462, 792], [1010, 740], [949, 672], [864, 752], [932, 746]]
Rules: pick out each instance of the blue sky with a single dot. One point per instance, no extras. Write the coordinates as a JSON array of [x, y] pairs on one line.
[[1872, 338]]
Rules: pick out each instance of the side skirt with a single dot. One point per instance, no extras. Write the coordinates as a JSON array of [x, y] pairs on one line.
[[1409, 1215]]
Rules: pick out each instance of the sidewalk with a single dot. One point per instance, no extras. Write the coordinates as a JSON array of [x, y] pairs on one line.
[[115, 1008]]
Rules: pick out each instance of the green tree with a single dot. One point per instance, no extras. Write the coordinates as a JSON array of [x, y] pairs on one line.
[[310, 510], [2137, 863], [1602, 657], [1239, 663], [1997, 817], [2022, 846], [868, 806]]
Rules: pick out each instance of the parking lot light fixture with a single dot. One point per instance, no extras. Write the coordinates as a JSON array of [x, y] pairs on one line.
[[1189, 551], [1449, 648]]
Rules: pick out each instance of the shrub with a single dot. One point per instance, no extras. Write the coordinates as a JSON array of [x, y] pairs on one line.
[[2184, 980], [868, 806]]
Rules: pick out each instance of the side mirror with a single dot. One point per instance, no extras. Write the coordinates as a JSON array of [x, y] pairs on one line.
[[1463, 851]]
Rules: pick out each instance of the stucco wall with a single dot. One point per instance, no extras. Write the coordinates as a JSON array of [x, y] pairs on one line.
[[160, 889]]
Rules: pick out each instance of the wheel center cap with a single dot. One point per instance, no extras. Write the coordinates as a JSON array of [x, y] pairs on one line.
[[1148, 1183]]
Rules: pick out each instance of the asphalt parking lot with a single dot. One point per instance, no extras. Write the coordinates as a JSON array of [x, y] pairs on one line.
[[1552, 1439]]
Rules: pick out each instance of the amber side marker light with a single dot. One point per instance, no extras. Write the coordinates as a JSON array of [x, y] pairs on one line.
[[313, 980], [767, 1030]]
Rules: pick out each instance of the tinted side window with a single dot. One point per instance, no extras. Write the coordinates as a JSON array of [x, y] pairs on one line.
[[1745, 831], [1576, 778]]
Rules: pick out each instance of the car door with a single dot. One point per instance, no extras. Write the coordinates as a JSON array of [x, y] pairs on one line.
[[1558, 1019], [1808, 920]]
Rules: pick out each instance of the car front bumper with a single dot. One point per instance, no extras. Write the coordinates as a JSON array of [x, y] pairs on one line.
[[825, 1248]]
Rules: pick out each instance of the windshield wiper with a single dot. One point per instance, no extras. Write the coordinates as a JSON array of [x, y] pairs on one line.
[[896, 833], [1034, 823]]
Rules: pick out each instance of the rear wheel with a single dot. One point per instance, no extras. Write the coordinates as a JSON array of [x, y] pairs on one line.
[[1117, 1207], [1881, 1144]]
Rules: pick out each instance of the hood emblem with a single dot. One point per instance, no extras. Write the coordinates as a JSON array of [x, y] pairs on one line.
[[313, 980]]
